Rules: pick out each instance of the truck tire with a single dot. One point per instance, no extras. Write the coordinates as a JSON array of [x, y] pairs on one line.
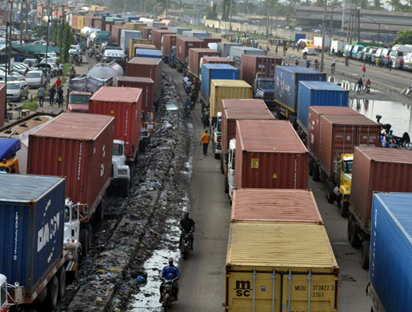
[[349, 227], [222, 168], [52, 297], [61, 277], [365, 254], [315, 176], [101, 208], [226, 184], [126, 188], [132, 174], [310, 171], [343, 207], [330, 195], [355, 242], [166, 60], [84, 240], [89, 229], [217, 156]]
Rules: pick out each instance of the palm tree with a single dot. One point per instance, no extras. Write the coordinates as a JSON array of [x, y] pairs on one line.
[[391, 3]]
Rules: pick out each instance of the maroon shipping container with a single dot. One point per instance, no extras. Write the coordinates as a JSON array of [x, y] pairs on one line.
[[109, 26], [183, 44], [157, 35], [74, 21], [147, 67], [169, 41], [126, 105], [162, 27], [146, 31], [5, 15], [88, 21], [240, 109], [264, 66], [218, 60], [314, 118], [206, 41], [2, 103], [194, 59], [117, 33], [97, 22], [377, 170], [269, 154], [119, 23], [341, 133], [146, 84], [78, 147]]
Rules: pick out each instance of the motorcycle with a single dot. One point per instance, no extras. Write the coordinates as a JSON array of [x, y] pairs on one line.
[[346, 62], [305, 56], [187, 111], [308, 64], [316, 66], [188, 89], [368, 89], [332, 69], [167, 294], [185, 244]]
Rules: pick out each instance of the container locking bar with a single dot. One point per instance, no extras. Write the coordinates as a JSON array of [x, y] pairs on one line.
[[309, 280], [254, 276], [273, 290], [290, 288]]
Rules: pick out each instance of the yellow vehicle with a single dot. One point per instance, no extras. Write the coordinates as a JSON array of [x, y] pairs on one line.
[[8, 160], [344, 182]]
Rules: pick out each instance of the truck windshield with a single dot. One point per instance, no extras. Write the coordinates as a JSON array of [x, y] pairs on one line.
[[79, 99], [117, 150], [219, 125], [347, 166], [267, 84], [394, 53], [66, 214]]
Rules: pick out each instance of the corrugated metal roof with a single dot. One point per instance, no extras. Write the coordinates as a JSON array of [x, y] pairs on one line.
[[129, 78], [298, 69], [322, 85], [356, 120], [145, 60], [390, 155], [230, 83], [279, 244], [117, 94], [218, 66]]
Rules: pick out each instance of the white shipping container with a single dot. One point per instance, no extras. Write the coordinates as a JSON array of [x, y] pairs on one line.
[[338, 45], [317, 42]]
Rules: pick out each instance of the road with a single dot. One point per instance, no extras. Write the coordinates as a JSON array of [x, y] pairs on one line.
[[202, 283]]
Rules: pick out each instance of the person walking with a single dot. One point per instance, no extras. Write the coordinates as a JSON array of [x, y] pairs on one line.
[[58, 82], [40, 94], [390, 65], [293, 47], [61, 69], [363, 70], [48, 78], [60, 97], [52, 92], [205, 140], [360, 84], [276, 50], [72, 72]]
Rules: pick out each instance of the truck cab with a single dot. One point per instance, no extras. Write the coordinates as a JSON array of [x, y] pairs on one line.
[[8, 160], [230, 174], [217, 134], [344, 181], [71, 238], [79, 101], [356, 50], [397, 55], [264, 88], [6, 300], [120, 170]]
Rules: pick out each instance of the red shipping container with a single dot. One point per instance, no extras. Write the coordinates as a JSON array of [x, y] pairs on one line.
[[109, 26], [218, 60], [269, 154], [341, 133], [157, 35], [169, 41], [313, 122], [116, 33], [377, 170], [78, 147], [74, 21], [88, 21], [194, 59], [183, 44], [97, 23], [2, 103], [264, 66], [126, 105], [147, 67], [146, 84], [146, 31], [240, 109], [206, 41]]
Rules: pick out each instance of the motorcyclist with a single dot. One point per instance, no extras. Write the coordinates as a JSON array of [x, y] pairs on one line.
[[188, 86], [367, 85], [187, 225], [389, 137], [316, 63], [334, 62], [170, 272], [193, 97], [297, 63], [346, 60], [305, 55], [307, 63], [188, 104]]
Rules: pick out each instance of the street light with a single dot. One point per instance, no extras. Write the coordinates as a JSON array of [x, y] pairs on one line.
[[379, 30]]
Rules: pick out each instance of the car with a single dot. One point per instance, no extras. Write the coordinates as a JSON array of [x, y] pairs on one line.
[[16, 90], [35, 78], [73, 49], [309, 51], [50, 66], [42, 42], [49, 60]]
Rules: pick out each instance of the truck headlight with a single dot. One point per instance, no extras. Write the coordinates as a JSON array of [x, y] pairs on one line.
[[123, 171]]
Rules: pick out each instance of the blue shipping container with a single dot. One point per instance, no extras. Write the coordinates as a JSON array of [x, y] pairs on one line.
[[148, 53], [133, 18], [216, 71], [299, 36], [286, 83], [31, 227], [320, 94], [391, 250], [224, 47]]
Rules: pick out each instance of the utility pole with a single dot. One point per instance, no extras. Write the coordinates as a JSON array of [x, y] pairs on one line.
[[267, 20], [21, 23], [331, 27], [167, 5], [27, 14], [343, 15], [230, 16], [359, 23], [48, 29], [349, 21], [323, 36]]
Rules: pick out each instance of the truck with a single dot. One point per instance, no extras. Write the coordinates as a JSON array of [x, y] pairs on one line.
[[264, 160], [183, 44], [148, 53], [39, 253], [357, 49], [390, 252], [236, 53], [338, 45], [8, 149], [299, 36], [168, 47], [126, 35], [195, 56], [142, 42], [178, 30], [195, 33], [98, 38], [224, 48], [85, 141], [375, 169], [259, 72], [317, 43], [157, 36], [397, 54], [147, 31]]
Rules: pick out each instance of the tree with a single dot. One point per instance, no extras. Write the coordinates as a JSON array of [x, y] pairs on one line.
[[40, 30], [391, 3], [212, 12], [404, 37], [319, 3], [377, 5]]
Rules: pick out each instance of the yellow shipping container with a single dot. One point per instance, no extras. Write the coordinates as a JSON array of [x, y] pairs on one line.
[[134, 41], [80, 22], [279, 266], [227, 89], [135, 26]]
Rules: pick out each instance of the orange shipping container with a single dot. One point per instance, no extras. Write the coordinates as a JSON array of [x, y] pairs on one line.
[[269, 154], [169, 41], [146, 84], [275, 205], [116, 33]]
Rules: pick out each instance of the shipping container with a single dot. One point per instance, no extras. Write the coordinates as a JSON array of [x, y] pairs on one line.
[[299, 36], [339, 134], [99, 23], [314, 120], [215, 71], [237, 52], [224, 47], [135, 26], [148, 53], [157, 35], [117, 33], [194, 59], [169, 41], [196, 34], [280, 266], [206, 41], [126, 105], [265, 160], [147, 32], [377, 170], [2, 103], [79, 147], [183, 44], [109, 26], [240, 109], [218, 60], [286, 84], [126, 35], [74, 21], [315, 93], [179, 30], [257, 66], [80, 22], [139, 43], [266, 205], [227, 89], [88, 21], [391, 252], [149, 68], [31, 227], [146, 84], [159, 25]]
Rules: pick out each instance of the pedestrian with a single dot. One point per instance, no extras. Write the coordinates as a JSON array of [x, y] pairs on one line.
[[370, 60], [48, 78], [52, 92], [293, 47], [60, 96], [363, 70], [390, 65], [58, 82], [360, 85], [205, 140], [40, 94], [61, 69], [276, 50], [72, 72], [298, 47], [377, 61]]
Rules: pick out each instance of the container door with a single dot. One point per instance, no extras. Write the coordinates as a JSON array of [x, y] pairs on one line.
[[368, 136]]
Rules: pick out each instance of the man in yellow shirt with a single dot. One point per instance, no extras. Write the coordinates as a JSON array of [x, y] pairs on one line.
[[205, 140]]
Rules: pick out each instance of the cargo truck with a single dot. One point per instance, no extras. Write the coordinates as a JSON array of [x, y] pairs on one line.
[[148, 53], [224, 48], [397, 54], [237, 52], [38, 253], [80, 141], [390, 251], [183, 44], [126, 35], [195, 57], [9, 161], [157, 36], [168, 47], [259, 72], [374, 170]]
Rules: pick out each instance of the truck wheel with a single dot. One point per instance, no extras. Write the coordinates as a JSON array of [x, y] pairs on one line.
[[52, 297], [310, 167], [61, 277], [365, 254], [217, 156], [315, 176], [226, 184], [84, 240], [343, 207], [330, 196], [126, 188], [89, 229], [355, 242], [222, 168], [101, 208]]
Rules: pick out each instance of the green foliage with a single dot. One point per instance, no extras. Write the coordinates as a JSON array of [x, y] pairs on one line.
[[404, 37], [40, 30], [212, 13], [30, 105]]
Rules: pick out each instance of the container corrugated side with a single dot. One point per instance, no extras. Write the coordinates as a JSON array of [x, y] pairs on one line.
[[237, 52], [179, 30], [265, 160], [143, 44], [227, 89], [146, 31], [79, 147], [294, 253], [319, 94], [216, 71], [183, 44], [146, 84], [196, 34], [391, 250], [224, 47], [31, 227], [194, 59], [262, 66], [271, 205], [377, 170], [208, 40], [218, 60], [157, 35]]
